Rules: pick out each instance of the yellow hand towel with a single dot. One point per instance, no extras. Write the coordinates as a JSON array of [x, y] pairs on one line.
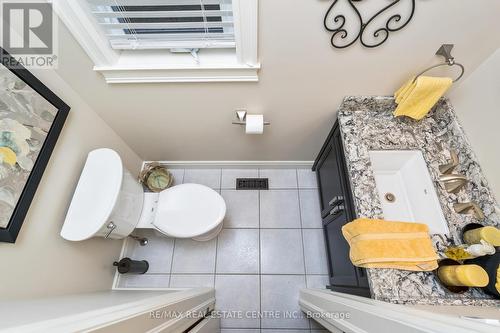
[[385, 244], [402, 92], [417, 97]]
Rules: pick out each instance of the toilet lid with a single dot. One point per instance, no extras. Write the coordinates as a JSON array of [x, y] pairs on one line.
[[189, 210], [95, 195]]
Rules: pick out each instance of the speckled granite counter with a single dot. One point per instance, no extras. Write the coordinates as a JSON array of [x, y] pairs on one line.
[[366, 123]]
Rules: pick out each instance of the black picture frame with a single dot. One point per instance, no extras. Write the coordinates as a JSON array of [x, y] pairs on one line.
[[10, 233]]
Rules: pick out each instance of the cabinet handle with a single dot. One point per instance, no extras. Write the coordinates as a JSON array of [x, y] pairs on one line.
[[337, 209], [336, 200]]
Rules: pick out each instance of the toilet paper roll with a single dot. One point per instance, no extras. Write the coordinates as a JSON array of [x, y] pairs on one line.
[[255, 124]]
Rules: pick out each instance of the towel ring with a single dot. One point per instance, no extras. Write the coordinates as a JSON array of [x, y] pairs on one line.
[[452, 63], [445, 52]]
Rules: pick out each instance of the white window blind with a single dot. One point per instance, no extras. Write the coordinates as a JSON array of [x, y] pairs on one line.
[[166, 24]]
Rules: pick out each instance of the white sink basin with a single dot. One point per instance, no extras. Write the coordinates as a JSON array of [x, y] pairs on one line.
[[406, 190]]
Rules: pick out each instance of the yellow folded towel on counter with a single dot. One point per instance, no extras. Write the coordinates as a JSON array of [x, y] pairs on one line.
[[417, 96], [385, 244]]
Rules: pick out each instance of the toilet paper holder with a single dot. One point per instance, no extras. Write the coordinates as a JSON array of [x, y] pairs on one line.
[[241, 116]]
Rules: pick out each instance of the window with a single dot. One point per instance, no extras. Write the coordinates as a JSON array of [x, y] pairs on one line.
[[166, 40], [190, 24]]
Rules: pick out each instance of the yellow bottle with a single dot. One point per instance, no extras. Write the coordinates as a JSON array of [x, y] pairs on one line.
[[463, 276], [489, 234]]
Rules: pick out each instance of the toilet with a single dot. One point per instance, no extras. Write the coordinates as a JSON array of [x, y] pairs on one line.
[[109, 202]]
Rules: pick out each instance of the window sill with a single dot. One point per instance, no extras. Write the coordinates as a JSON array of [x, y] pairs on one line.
[[130, 74], [164, 66]]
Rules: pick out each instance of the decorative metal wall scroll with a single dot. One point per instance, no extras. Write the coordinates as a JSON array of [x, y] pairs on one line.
[[347, 25]]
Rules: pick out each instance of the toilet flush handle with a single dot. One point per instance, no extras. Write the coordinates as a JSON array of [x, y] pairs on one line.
[[111, 226]]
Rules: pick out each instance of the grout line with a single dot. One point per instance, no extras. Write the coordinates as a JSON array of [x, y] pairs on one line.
[[220, 180], [171, 264], [260, 264], [217, 238], [216, 250], [301, 232], [302, 237], [297, 179], [183, 174]]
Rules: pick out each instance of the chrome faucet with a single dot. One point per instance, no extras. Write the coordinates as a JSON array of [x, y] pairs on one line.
[[468, 208], [448, 167], [453, 182]]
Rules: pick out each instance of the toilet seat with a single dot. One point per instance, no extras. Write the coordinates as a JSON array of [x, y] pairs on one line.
[[189, 210]]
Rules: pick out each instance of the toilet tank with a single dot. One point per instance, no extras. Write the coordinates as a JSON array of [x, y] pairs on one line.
[[107, 199]]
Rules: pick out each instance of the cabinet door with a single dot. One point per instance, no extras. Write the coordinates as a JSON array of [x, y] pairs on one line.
[[328, 173], [342, 271]]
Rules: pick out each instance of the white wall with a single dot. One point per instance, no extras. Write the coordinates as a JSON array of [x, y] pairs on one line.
[[302, 82], [477, 103], [108, 312], [41, 263], [14, 313]]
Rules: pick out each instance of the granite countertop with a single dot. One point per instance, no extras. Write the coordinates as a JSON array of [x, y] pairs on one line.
[[367, 123]]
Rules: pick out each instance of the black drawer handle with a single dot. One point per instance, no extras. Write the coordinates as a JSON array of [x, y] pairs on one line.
[[337, 209], [336, 200]]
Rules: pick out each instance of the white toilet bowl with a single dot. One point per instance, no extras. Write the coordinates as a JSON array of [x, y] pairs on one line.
[[109, 202], [184, 211]]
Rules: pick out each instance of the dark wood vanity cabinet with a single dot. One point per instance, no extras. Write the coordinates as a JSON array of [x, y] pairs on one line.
[[337, 209]]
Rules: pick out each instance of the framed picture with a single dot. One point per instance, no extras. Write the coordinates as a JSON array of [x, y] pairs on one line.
[[31, 119]]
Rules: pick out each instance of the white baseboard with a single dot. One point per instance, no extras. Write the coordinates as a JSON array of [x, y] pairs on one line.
[[236, 164]]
